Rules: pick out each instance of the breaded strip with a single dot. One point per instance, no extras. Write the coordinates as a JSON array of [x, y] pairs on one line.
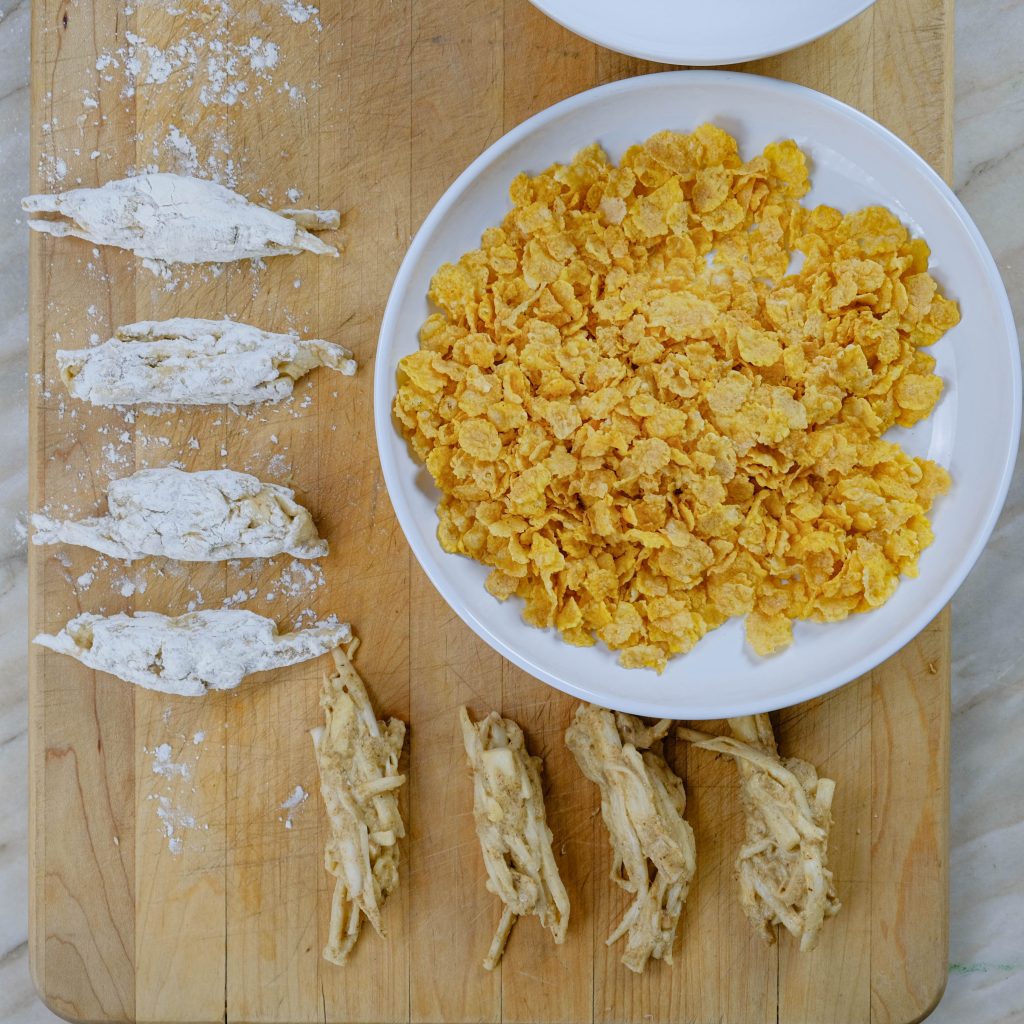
[[208, 516], [175, 218], [189, 361]]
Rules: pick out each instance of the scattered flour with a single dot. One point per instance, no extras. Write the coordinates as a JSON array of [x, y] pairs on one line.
[[297, 798], [53, 169], [239, 597], [300, 13], [296, 580], [306, 616], [207, 57], [180, 150], [116, 457], [163, 765], [129, 586], [278, 468], [174, 820], [295, 94]]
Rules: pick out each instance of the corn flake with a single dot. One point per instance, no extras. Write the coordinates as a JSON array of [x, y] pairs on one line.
[[645, 424]]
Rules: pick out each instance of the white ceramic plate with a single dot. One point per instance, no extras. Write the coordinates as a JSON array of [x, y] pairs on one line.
[[701, 32], [973, 431]]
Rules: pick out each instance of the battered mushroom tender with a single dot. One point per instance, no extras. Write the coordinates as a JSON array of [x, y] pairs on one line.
[[782, 868], [508, 807], [358, 760], [642, 803]]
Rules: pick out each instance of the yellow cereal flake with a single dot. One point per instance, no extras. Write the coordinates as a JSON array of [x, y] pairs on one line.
[[644, 424], [767, 634]]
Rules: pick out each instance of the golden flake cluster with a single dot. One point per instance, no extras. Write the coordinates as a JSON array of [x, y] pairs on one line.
[[646, 421]]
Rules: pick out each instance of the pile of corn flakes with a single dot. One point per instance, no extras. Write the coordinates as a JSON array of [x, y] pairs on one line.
[[646, 422]]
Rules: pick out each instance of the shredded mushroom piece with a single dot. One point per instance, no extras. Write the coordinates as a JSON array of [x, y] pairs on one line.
[[642, 804], [511, 823], [782, 868], [358, 760]]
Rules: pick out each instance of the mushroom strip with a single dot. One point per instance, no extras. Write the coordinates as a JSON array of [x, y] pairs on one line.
[[642, 803], [508, 807], [782, 868], [358, 760]]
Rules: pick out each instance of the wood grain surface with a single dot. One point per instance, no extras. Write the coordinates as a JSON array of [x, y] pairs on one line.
[[395, 99]]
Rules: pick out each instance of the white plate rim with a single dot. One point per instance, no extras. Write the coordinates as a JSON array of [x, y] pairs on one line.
[[389, 443], [667, 56]]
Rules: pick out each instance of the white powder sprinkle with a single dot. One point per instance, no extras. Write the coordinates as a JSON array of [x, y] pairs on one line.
[[173, 820], [54, 169], [306, 616], [296, 580], [203, 55], [239, 597], [160, 66], [138, 583], [181, 151], [278, 467], [163, 765], [298, 795], [113, 455], [300, 13], [293, 802], [261, 54]]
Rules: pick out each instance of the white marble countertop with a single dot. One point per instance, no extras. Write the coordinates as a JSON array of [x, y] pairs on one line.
[[986, 971]]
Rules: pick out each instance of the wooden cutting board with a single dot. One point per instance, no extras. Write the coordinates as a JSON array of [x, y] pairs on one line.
[[161, 896]]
